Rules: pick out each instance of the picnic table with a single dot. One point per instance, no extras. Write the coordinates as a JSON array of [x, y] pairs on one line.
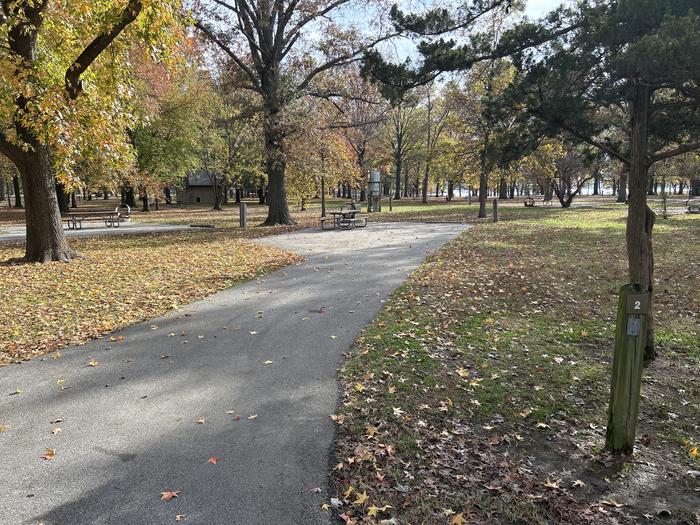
[[530, 201], [344, 219], [111, 218]]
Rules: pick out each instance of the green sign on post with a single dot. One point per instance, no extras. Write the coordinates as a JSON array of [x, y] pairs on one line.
[[630, 338]]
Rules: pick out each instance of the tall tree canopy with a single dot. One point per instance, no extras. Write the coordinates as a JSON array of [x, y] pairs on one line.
[[282, 48], [58, 91], [620, 75], [625, 79]]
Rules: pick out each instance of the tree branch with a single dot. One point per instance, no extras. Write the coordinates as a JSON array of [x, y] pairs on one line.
[[680, 150], [226, 49], [341, 60], [11, 151], [74, 85]]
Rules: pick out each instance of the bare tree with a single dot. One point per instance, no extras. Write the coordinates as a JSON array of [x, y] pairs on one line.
[[277, 47]]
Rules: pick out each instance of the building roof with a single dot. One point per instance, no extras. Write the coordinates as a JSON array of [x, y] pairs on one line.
[[201, 178]]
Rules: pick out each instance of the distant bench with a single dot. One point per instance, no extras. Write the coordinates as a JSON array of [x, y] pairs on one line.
[[531, 201], [111, 218], [693, 205]]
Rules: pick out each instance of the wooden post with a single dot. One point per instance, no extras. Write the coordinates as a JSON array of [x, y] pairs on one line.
[[495, 210], [243, 214], [323, 195], [630, 339]]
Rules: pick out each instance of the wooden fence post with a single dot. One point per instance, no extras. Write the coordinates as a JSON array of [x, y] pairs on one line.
[[243, 214], [630, 338], [495, 210]]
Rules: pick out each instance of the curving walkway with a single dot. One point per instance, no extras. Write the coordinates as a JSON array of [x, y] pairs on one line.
[[177, 390]]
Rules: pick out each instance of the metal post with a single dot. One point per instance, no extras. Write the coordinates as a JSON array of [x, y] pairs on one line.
[[630, 339], [243, 214], [323, 196], [495, 210]]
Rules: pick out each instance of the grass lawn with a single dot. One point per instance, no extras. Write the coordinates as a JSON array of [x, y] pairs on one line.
[[120, 281], [479, 394]]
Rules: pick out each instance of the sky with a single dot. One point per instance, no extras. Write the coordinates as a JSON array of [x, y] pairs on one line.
[[538, 8]]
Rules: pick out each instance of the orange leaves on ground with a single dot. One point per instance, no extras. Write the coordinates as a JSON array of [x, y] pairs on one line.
[[213, 460], [458, 519], [49, 454], [122, 280], [168, 495]]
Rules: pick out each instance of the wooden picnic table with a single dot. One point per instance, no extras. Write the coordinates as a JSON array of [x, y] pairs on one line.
[[345, 219], [531, 201]]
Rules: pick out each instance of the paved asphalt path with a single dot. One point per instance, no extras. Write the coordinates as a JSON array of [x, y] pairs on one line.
[[18, 233], [129, 427]]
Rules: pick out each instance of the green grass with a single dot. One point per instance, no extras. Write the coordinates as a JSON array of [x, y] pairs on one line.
[[509, 327]]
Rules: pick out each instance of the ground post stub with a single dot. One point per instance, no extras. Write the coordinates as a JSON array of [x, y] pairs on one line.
[[630, 338], [495, 210], [243, 214]]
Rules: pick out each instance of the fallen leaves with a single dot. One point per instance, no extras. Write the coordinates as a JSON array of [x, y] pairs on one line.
[[458, 519], [49, 454], [125, 274], [361, 498], [523, 356], [213, 460], [168, 495]]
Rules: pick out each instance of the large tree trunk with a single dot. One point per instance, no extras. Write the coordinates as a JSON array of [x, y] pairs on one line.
[[405, 183], [651, 186], [426, 177], [548, 190], [503, 188], [275, 166], [622, 186], [45, 238], [483, 189], [144, 201], [397, 189], [129, 197], [694, 187], [217, 193], [62, 198], [640, 218], [17, 190], [596, 183]]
